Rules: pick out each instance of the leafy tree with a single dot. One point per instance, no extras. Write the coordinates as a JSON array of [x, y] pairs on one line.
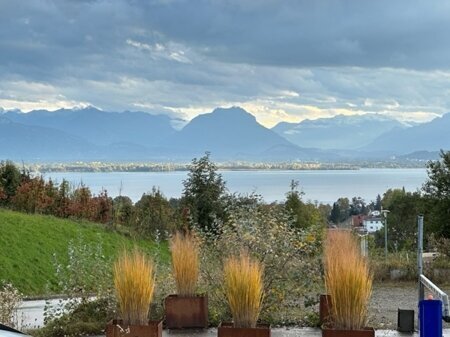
[[80, 206], [35, 196], [303, 214], [62, 199], [10, 179], [340, 211], [102, 208], [335, 213], [123, 210], [358, 206], [204, 194], [153, 213], [437, 193], [377, 206], [402, 218]]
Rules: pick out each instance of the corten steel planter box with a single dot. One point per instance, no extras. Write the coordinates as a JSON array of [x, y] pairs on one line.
[[325, 309], [226, 329], [116, 328], [366, 332], [186, 312]]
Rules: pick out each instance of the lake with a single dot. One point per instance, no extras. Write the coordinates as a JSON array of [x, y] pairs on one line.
[[325, 186]]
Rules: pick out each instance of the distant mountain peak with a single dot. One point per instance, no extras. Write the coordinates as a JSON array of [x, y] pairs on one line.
[[232, 112]]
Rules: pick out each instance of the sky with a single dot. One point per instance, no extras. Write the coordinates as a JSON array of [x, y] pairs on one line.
[[285, 60]]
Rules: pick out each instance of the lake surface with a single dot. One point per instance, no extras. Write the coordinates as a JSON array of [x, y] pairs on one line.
[[325, 186]]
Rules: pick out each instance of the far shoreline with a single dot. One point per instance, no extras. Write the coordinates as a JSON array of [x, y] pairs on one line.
[[105, 167]]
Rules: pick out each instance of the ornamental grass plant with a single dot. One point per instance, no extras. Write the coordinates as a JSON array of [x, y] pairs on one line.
[[134, 281], [348, 280], [243, 282], [185, 262]]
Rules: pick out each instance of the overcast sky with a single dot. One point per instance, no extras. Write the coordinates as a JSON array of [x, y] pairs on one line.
[[281, 60]]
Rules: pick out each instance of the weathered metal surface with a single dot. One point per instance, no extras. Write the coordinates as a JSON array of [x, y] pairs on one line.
[[325, 309], [366, 332], [186, 312], [117, 328], [226, 329]]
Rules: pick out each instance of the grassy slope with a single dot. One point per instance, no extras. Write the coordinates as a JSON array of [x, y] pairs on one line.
[[28, 242]]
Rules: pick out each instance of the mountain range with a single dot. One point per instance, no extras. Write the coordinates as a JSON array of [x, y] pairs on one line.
[[340, 132], [229, 134]]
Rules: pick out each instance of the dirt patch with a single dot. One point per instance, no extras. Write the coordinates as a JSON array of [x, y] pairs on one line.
[[387, 298]]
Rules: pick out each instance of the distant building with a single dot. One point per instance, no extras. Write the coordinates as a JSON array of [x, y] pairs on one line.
[[367, 223], [373, 224]]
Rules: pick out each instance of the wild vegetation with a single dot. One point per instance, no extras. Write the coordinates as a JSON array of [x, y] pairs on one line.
[[10, 298]]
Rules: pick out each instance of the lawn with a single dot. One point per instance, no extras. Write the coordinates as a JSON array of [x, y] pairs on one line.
[[28, 243]]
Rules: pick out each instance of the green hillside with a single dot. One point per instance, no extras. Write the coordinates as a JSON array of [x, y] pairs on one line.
[[28, 242]]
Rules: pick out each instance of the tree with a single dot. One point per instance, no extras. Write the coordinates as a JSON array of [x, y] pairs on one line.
[[402, 218], [335, 213], [35, 196], [10, 178], [377, 206], [303, 214], [204, 194], [358, 206], [437, 193], [153, 213], [123, 210]]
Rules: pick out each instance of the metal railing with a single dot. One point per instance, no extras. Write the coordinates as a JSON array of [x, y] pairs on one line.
[[424, 282]]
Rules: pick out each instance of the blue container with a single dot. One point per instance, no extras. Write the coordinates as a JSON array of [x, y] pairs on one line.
[[430, 315]]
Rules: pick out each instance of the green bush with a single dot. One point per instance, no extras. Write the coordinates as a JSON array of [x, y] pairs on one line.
[[291, 257], [87, 319]]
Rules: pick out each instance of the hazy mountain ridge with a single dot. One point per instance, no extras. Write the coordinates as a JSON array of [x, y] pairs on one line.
[[97, 135], [229, 132], [101, 127], [431, 136], [232, 133], [339, 132]]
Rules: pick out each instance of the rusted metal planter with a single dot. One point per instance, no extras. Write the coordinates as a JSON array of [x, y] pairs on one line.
[[116, 328], [226, 329], [325, 309], [366, 332], [186, 312]]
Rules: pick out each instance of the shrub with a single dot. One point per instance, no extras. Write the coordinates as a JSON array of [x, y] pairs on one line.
[[347, 280], [185, 262], [243, 282], [134, 281], [86, 319], [10, 299], [291, 258]]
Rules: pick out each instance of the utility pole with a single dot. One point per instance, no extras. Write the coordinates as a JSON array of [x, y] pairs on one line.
[[384, 213]]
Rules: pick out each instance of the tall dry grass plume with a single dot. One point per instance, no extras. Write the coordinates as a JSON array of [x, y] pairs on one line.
[[185, 262], [134, 281], [347, 279], [244, 289]]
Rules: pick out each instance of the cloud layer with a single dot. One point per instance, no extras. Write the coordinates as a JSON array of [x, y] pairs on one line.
[[283, 60]]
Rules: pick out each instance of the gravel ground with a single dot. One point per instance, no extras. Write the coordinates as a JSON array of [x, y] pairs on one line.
[[387, 298]]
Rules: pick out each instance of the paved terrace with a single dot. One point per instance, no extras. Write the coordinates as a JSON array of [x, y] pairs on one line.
[[285, 332]]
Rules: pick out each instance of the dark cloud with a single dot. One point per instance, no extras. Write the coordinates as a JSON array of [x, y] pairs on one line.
[[306, 33], [291, 58]]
